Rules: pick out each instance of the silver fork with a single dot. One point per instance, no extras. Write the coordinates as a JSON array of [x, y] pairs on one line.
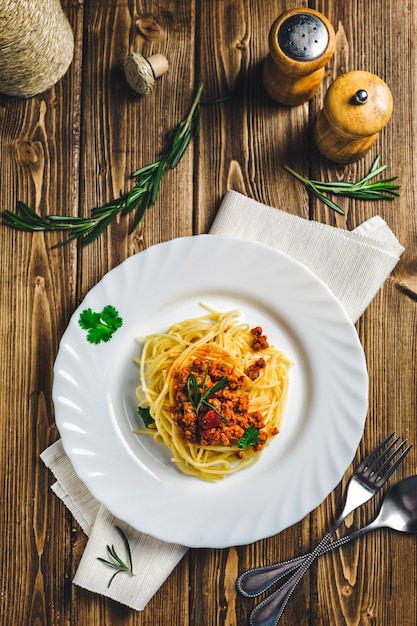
[[365, 482]]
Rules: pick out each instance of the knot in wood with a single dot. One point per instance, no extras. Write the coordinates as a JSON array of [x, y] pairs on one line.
[[347, 590], [242, 44], [148, 26], [27, 153]]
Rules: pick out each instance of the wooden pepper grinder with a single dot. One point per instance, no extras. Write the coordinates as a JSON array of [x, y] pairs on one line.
[[356, 107], [301, 42]]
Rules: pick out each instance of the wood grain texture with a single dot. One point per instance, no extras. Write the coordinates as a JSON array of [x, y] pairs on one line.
[[75, 147]]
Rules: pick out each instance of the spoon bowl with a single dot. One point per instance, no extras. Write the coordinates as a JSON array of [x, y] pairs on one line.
[[399, 507]]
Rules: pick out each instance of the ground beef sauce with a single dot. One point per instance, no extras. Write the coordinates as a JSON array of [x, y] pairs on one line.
[[225, 417], [259, 340]]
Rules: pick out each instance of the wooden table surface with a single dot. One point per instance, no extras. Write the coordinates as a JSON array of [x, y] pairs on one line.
[[74, 147]]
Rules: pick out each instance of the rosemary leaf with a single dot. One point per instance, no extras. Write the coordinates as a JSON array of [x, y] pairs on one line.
[[198, 397], [141, 212], [116, 561], [382, 189], [145, 169], [143, 194]]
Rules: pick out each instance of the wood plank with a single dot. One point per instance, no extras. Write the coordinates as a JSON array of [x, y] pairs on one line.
[[37, 290]]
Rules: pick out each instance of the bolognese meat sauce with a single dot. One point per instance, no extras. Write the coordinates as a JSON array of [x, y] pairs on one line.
[[211, 405]]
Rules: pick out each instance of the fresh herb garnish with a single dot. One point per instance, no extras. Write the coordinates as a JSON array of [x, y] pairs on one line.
[[382, 189], [199, 397], [249, 438], [116, 562], [145, 414], [143, 194], [100, 326]]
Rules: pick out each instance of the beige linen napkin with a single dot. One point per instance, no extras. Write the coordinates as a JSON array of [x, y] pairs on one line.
[[354, 264]]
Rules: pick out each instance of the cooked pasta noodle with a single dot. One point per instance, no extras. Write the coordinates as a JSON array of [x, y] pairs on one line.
[[215, 391]]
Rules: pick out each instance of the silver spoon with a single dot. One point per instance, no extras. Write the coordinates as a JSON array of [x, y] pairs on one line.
[[398, 512]]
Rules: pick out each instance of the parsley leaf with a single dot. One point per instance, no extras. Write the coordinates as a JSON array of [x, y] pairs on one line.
[[249, 438], [100, 326], [145, 414]]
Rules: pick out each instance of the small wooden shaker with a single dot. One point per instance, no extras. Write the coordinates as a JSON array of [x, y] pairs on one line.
[[356, 107], [301, 42]]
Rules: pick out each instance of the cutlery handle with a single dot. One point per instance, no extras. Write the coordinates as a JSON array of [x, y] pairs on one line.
[[269, 611], [255, 581]]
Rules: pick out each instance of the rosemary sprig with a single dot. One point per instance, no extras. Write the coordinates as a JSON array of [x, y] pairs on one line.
[[364, 189], [199, 397], [144, 193], [116, 562]]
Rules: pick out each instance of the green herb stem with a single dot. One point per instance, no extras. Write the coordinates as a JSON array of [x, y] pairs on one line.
[[115, 561], [142, 195], [382, 189], [199, 397]]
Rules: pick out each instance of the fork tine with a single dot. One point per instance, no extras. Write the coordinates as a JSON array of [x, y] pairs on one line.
[[370, 456], [384, 478], [377, 463]]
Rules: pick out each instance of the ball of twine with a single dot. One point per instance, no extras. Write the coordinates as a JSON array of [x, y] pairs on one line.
[[36, 46]]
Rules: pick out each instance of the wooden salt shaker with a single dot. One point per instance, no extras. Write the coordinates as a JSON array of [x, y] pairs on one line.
[[356, 107], [301, 42]]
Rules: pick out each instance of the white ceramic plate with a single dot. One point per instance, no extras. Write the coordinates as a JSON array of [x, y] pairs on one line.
[[132, 475]]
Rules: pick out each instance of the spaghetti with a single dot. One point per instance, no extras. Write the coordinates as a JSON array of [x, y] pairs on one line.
[[213, 391]]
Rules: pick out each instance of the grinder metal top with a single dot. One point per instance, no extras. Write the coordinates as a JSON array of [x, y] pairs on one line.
[[303, 37]]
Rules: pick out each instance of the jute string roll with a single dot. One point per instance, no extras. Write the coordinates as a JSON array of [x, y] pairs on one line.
[[36, 46]]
